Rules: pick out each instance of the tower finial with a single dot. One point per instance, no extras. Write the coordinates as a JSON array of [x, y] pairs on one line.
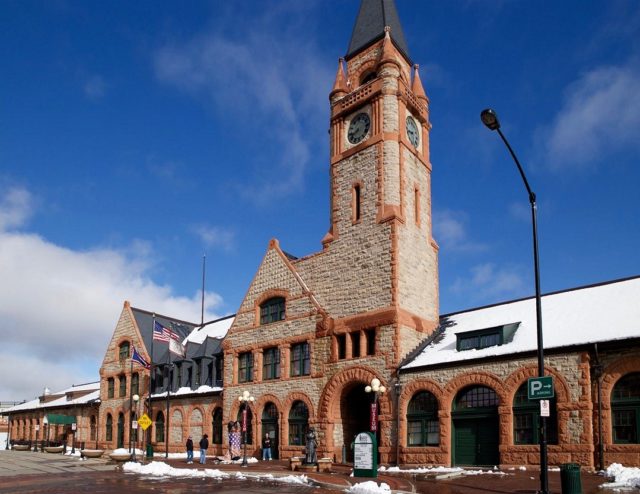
[[340, 85], [417, 88]]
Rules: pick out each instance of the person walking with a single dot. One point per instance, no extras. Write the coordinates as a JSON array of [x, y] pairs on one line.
[[204, 444], [266, 448], [189, 450]]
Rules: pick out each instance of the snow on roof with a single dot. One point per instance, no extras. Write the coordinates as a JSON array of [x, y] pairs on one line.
[[592, 314], [186, 390], [213, 329], [91, 390]]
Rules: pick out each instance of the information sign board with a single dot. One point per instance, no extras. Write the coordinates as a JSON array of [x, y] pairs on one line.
[[365, 455]]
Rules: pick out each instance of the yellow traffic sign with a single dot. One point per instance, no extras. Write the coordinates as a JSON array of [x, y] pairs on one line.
[[144, 421]]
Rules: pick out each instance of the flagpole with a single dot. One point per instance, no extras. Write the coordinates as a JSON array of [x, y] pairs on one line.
[[204, 266], [130, 402], [151, 383], [169, 384]]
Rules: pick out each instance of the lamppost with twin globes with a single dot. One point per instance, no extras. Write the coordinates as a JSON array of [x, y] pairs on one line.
[[490, 120], [245, 400], [377, 389]]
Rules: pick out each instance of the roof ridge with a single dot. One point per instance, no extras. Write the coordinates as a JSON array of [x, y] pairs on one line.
[[556, 292]]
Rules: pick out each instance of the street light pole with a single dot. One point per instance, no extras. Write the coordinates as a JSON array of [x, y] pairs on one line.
[[490, 120], [377, 390], [136, 399], [245, 399]]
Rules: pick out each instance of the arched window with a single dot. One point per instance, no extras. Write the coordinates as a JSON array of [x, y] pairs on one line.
[[159, 427], [92, 428], [476, 397], [122, 386], [423, 425], [272, 310], [526, 419], [109, 428], [123, 351], [216, 426], [298, 423], [368, 77], [135, 384], [625, 407], [111, 387]]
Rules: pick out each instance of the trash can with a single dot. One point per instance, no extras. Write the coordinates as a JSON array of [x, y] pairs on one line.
[[149, 451], [570, 478]]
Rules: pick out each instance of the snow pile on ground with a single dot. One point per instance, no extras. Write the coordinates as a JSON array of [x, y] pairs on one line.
[[622, 476], [370, 487], [160, 469], [420, 470], [483, 472]]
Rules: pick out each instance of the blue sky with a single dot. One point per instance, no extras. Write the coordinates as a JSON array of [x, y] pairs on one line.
[[136, 136]]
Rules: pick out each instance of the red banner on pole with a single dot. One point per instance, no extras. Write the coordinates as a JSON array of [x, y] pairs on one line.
[[373, 419], [244, 419]]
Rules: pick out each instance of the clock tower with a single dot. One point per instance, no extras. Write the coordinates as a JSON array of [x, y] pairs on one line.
[[380, 213]]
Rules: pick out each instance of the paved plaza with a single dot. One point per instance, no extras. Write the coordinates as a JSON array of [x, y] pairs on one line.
[[28, 472]]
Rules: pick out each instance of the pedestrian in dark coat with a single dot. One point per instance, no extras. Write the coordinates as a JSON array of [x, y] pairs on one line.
[[189, 450], [204, 444]]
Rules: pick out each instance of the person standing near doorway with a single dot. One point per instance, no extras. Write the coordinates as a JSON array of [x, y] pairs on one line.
[[204, 444], [189, 450], [266, 447]]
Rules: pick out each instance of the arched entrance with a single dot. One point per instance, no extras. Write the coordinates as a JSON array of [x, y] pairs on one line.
[[355, 406], [120, 436], [476, 434], [270, 426]]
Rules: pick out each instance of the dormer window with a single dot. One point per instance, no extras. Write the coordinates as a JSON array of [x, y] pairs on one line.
[[485, 338], [272, 310], [123, 351]]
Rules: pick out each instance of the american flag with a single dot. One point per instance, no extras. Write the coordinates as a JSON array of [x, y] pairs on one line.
[[160, 333]]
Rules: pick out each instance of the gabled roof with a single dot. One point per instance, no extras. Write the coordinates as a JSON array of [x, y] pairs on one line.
[[592, 314], [372, 18], [81, 394]]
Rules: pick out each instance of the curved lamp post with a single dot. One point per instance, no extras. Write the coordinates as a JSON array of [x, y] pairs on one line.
[[136, 400], [245, 400], [490, 120]]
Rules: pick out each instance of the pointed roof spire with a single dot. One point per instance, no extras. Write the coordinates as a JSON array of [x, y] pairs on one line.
[[417, 88], [340, 85], [373, 16]]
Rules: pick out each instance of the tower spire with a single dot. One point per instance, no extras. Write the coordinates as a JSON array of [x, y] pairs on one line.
[[373, 16]]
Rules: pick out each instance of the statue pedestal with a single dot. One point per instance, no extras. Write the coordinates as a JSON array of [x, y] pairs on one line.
[[324, 465], [308, 468], [294, 463]]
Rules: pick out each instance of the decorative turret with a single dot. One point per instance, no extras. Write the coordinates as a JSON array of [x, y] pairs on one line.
[[417, 88], [340, 85], [388, 54]]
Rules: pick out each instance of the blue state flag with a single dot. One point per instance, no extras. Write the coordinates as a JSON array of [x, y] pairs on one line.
[[136, 357]]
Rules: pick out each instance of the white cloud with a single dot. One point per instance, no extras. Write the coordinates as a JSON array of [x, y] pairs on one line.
[[451, 232], [213, 236], [488, 281], [16, 206], [94, 87], [259, 90], [59, 307], [600, 115]]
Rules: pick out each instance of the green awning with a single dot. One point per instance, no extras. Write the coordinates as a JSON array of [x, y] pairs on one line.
[[55, 419]]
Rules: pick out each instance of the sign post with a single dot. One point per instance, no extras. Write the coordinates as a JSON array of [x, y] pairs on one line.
[[365, 459]]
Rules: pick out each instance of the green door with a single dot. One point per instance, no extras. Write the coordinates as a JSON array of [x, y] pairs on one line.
[[476, 441], [475, 427]]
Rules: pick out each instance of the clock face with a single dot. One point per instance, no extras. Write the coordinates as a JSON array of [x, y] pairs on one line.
[[358, 128], [412, 131]]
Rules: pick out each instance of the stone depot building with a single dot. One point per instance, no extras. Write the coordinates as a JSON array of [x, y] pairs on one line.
[[312, 332]]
